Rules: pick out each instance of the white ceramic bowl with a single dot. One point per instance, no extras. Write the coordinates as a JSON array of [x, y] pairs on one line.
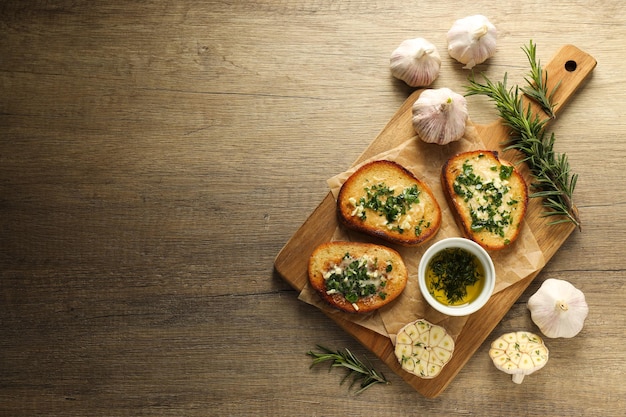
[[483, 257]]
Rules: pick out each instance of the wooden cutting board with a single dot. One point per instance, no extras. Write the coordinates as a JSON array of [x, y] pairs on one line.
[[571, 66]]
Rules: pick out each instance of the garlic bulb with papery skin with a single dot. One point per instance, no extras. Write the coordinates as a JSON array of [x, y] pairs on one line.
[[416, 62], [558, 308], [440, 116], [472, 40]]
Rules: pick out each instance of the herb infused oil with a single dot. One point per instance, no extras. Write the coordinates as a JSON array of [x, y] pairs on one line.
[[455, 277]]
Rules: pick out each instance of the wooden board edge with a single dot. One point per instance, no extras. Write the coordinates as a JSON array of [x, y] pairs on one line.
[[302, 243]]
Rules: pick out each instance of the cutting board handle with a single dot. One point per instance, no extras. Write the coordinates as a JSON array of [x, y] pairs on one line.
[[569, 67]]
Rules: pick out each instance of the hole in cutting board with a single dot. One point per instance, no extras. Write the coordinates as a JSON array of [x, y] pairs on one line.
[[570, 66]]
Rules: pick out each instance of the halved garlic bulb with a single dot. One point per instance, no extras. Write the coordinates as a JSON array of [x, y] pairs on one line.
[[423, 348], [440, 116], [416, 62], [472, 40], [519, 354]]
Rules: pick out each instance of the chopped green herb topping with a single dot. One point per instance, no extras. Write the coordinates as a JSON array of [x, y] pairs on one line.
[[485, 198], [422, 223], [357, 278], [383, 201], [505, 172]]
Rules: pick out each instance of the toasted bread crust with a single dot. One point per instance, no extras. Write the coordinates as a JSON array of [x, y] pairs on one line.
[[486, 165], [417, 226], [328, 255]]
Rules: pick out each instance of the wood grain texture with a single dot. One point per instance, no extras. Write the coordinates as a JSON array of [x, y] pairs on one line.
[[155, 156]]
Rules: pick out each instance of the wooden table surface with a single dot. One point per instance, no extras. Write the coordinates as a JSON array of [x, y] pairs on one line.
[[155, 156]]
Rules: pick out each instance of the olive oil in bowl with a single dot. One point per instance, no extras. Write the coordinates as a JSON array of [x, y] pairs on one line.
[[456, 276]]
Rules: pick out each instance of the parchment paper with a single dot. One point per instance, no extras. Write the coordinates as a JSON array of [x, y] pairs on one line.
[[512, 264]]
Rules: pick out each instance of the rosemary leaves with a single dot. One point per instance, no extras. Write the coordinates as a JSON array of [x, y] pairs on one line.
[[359, 371], [551, 171], [537, 88]]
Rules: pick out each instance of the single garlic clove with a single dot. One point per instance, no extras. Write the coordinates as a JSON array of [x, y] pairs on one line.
[[416, 62], [440, 116], [472, 40]]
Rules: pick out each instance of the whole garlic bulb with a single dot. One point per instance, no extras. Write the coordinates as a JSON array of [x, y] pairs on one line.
[[558, 308], [440, 116], [416, 62], [472, 40]]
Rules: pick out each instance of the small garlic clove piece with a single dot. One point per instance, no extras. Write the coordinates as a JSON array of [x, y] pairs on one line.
[[558, 308], [440, 116], [472, 40], [416, 62]]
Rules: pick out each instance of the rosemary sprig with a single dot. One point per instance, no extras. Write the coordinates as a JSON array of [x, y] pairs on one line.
[[537, 80], [553, 180], [359, 371]]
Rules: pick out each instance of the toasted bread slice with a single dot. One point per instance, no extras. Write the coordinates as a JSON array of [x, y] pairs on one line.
[[357, 277], [488, 197], [384, 199]]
